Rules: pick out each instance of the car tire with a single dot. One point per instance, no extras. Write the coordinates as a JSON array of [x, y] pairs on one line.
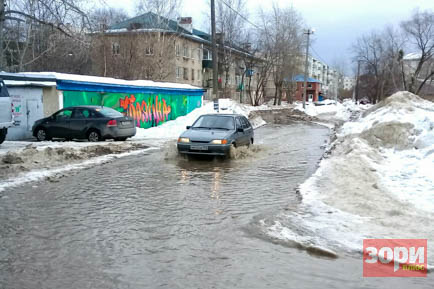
[[41, 134], [94, 136], [120, 139], [3, 133]]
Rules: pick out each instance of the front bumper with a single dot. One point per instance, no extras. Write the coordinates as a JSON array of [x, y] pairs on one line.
[[6, 124], [203, 149]]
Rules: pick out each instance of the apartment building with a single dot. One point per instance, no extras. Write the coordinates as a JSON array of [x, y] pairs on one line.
[[329, 78], [156, 48]]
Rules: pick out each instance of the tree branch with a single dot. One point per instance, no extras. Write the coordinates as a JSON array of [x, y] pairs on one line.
[[39, 21]]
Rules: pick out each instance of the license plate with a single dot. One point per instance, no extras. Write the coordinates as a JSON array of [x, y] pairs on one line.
[[199, 148], [126, 122]]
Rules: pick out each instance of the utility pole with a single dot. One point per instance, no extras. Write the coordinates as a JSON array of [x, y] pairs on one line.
[[214, 54], [357, 80], [309, 32], [2, 19]]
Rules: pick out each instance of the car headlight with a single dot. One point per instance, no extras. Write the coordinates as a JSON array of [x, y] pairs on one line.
[[183, 139], [220, 141]]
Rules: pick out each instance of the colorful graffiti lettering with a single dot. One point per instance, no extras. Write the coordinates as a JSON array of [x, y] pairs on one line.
[[146, 112], [148, 109]]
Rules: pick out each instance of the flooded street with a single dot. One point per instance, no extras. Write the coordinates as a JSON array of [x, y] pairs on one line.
[[161, 221]]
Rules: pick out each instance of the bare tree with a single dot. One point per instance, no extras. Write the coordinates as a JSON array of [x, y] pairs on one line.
[[230, 28], [102, 18], [164, 8], [370, 50], [281, 36], [146, 50], [420, 31], [33, 29]]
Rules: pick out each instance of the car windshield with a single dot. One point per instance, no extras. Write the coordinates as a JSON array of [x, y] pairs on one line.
[[109, 112], [215, 122]]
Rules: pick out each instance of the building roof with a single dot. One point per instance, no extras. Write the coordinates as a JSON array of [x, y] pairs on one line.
[[151, 20], [413, 56], [77, 82], [300, 78]]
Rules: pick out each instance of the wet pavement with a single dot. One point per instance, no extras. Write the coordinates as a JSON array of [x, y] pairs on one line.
[[157, 220]]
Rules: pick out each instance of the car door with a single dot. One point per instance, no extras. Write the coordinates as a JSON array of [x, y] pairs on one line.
[[248, 129], [239, 135], [59, 124], [79, 122]]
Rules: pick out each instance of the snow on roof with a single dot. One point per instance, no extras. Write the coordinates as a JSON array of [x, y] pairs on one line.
[[109, 80], [413, 56], [29, 83]]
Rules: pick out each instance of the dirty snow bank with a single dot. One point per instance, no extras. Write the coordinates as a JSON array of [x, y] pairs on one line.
[[172, 129], [377, 181], [20, 163], [331, 110]]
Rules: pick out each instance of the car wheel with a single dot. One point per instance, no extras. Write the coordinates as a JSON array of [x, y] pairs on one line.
[[120, 139], [93, 136], [41, 134]]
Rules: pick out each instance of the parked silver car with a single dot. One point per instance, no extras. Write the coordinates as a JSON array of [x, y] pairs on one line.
[[214, 134]]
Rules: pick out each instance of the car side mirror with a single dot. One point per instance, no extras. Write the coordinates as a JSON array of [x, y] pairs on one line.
[[188, 126], [240, 129]]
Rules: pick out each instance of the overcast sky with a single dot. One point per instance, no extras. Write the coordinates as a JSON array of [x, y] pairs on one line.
[[337, 23]]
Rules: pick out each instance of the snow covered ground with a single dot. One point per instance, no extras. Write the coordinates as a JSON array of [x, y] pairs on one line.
[[172, 129], [377, 182], [331, 110]]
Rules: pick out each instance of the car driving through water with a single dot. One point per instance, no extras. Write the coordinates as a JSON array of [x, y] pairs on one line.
[[214, 134]]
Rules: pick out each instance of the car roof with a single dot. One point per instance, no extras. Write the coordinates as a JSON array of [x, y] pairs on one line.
[[222, 114], [87, 106]]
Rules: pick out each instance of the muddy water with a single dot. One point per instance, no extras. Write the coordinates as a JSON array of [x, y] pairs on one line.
[[160, 221]]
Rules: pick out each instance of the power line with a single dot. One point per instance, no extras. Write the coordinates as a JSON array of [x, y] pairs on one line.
[[239, 14], [319, 57]]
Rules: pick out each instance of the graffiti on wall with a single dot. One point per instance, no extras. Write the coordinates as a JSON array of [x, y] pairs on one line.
[[147, 109], [146, 112]]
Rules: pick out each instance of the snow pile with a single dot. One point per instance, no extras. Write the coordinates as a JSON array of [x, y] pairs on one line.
[[329, 109], [172, 129], [380, 172]]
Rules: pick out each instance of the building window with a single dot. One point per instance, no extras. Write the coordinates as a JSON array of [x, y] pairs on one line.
[[178, 72], [198, 74], [309, 85], [149, 50], [116, 48], [178, 49], [185, 74], [192, 74], [207, 55], [186, 51], [198, 53]]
